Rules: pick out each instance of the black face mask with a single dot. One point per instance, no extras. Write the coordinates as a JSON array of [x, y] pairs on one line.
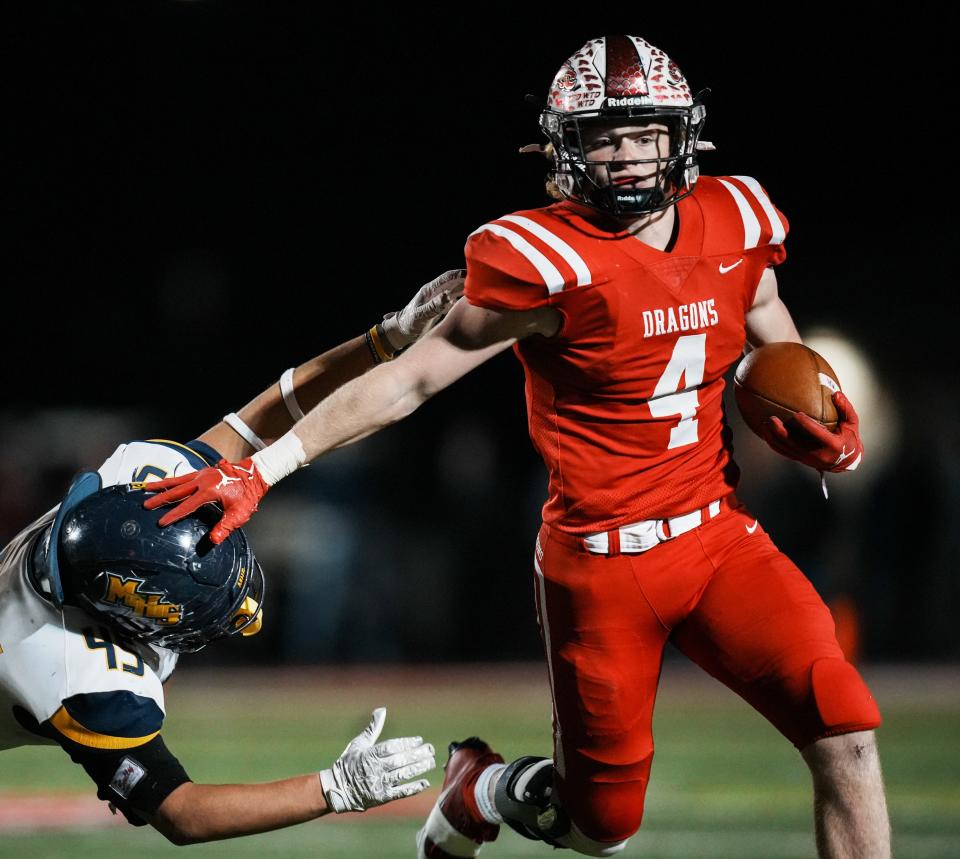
[[590, 182]]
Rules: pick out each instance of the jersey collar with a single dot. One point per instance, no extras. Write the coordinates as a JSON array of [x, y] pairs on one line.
[[689, 241]]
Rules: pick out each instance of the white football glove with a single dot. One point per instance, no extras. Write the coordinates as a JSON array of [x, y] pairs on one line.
[[425, 309], [366, 775]]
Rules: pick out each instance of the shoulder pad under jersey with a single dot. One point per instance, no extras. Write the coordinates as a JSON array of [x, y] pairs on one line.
[[118, 719], [738, 215], [522, 261], [50, 657], [155, 459]]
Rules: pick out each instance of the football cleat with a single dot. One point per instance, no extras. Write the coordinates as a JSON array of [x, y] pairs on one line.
[[454, 827]]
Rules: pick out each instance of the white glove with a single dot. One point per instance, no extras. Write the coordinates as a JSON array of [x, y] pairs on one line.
[[425, 309], [366, 775]]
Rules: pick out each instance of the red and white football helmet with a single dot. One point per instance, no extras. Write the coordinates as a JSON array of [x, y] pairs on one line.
[[622, 78]]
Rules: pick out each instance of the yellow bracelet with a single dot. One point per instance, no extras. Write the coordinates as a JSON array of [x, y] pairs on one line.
[[373, 349], [377, 339]]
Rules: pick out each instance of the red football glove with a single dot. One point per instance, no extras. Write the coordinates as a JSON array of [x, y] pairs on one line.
[[809, 442], [236, 486]]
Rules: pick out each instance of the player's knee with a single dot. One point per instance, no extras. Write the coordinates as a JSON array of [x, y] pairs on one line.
[[609, 821], [843, 701], [576, 840], [610, 812], [606, 804]]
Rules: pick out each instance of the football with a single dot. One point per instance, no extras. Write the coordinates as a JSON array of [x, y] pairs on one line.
[[779, 379]]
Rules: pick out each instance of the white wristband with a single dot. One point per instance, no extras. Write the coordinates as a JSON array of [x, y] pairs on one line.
[[283, 457], [289, 396], [238, 425]]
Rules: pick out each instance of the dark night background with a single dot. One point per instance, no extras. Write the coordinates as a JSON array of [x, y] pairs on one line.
[[201, 194]]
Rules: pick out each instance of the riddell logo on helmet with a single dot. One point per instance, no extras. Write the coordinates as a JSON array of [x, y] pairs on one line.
[[127, 592], [628, 101]]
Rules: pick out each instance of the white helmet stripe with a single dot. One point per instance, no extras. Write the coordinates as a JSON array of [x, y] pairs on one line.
[[570, 256], [751, 226], [547, 270], [779, 233]]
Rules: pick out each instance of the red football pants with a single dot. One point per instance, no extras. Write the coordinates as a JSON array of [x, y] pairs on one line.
[[729, 600]]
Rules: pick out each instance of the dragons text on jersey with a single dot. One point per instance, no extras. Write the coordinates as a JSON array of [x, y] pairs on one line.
[[625, 403]]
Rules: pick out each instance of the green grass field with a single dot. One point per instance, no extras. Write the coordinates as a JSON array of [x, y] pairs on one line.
[[724, 783]]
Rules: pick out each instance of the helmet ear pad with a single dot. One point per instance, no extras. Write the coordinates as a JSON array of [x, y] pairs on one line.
[[168, 586]]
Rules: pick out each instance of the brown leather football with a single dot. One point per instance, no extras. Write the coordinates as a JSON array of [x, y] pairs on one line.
[[783, 378]]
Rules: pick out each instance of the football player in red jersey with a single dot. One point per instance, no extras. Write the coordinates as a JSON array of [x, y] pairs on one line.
[[625, 301]]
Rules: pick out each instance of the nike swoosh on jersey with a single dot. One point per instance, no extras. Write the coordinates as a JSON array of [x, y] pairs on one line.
[[725, 268], [751, 528]]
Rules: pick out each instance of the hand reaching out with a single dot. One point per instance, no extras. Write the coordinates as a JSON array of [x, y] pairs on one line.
[[235, 486], [424, 310], [369, 773]]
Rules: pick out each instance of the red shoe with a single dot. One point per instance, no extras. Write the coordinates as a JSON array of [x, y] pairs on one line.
[[455, 827]]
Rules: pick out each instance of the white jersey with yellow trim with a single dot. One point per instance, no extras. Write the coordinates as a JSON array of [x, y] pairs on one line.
[[47, 657]]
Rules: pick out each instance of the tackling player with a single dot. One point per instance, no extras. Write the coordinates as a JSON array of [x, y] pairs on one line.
[[97, 602], [626, 302]]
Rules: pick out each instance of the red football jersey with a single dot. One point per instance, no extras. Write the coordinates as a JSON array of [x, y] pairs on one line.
[[625, 403]]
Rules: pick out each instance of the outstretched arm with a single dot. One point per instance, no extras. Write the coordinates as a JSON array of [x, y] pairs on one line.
[[367, 774], [467, 338], [270, 414], [206, 812], [464, 340]]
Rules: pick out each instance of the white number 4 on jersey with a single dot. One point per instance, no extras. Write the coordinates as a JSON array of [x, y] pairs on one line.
[[686, 363]]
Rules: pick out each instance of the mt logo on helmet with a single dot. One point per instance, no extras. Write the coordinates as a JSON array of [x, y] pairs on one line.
[[129, 591]]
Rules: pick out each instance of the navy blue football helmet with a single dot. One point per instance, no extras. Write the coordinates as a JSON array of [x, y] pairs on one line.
[[167, 586]]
